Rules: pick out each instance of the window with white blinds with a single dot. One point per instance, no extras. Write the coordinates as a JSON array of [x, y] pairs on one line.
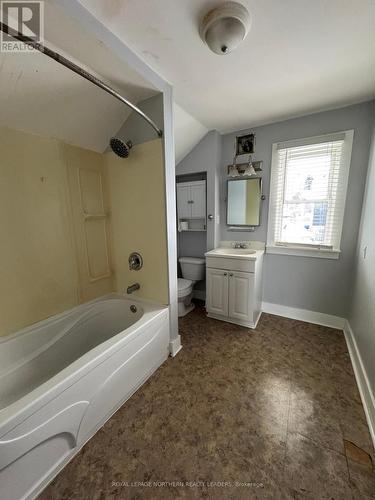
[[308, 191]]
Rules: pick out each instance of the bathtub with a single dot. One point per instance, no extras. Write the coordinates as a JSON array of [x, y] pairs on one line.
[[62, 378]]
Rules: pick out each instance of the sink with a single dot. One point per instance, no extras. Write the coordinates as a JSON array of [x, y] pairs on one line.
[[233, 251], [239, 254]]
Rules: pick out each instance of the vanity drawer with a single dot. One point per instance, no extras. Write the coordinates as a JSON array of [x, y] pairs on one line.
[[244, 265]]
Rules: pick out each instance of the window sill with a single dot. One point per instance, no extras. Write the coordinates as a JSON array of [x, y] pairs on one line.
[[303, 252]]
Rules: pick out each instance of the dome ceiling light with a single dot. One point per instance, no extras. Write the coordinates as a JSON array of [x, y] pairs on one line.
[[225, 27]]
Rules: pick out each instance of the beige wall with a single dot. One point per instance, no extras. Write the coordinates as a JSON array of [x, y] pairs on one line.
[[64, 241], [38, 275], [138, 219]]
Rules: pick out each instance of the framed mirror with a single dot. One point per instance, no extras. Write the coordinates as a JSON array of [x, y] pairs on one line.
[[243, 201]]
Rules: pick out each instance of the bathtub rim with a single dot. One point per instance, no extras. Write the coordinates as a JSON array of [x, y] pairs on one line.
[[80, 307], [78, 313], [13, 414]]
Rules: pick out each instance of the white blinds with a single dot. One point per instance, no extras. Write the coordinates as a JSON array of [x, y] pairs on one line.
[[308, 191]]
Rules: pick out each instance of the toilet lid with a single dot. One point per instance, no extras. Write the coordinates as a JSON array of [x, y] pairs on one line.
[[183, 284], [191, 260]]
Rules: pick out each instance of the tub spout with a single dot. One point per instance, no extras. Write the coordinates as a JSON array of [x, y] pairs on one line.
[[133, 288]]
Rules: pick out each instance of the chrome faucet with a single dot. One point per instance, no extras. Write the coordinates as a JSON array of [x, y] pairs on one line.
[[133, 288], [240, 245]]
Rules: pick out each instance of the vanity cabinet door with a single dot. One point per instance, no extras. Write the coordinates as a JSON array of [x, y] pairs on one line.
[[241, 286], [217, 292]]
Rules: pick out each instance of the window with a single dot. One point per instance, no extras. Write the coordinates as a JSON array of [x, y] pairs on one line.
[[307, 196]]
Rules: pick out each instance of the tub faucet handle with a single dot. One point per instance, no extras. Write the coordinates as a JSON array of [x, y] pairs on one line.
[[133, 288]]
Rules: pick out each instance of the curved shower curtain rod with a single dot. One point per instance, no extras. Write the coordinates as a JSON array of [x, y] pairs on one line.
[[77, 69]]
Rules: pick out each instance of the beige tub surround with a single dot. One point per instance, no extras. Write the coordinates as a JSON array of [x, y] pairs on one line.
[[90, 220], [71, 217], [138, 220], [38, 267]]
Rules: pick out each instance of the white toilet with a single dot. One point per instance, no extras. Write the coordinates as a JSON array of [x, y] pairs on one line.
[[192, 271]]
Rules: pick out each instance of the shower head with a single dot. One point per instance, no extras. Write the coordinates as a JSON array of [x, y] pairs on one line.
[[121, 148]]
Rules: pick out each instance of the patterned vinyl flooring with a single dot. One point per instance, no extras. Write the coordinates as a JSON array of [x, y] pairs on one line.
[[238, 414]]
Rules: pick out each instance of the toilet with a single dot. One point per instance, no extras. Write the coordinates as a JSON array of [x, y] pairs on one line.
[[192, 271]]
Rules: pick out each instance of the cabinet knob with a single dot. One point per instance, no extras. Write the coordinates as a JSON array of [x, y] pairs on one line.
[[225, 274], [230, 274]]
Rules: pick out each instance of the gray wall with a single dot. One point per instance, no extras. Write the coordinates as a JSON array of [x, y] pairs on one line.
[[192, 244], [362, 313], [205, 157], [136, 128], [309, 283]]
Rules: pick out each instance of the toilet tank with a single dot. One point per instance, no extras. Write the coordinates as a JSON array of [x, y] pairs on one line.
[[192, 268]]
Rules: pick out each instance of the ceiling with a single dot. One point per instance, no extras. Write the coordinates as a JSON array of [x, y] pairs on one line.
[[301, 56], [40, 96]]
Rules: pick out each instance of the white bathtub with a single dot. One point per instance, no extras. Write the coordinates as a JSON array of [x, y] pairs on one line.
[[62, 378]]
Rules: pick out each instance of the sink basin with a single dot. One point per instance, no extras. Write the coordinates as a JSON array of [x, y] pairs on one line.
[[233, 251]]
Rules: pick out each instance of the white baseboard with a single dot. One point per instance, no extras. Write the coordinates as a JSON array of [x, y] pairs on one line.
[[199, 294], [175, 346], [367, 396], [304, 315]]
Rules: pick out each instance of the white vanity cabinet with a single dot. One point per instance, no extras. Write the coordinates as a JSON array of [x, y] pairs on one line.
[[234, 287], [217, 291], [241, 295], [191, 200]]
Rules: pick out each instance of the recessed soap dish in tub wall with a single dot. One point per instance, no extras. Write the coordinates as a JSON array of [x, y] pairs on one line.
[[135, 261]]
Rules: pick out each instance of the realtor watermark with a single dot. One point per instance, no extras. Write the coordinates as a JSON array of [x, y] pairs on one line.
[[188, 484], [25, 18]]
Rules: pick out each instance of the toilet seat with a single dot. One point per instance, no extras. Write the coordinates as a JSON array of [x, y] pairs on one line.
[[184, 287]]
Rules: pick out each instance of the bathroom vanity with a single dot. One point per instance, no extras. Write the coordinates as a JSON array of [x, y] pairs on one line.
[[234, 283]]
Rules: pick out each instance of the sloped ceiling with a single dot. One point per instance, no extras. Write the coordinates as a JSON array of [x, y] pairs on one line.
[[187, 132], [40, 96]]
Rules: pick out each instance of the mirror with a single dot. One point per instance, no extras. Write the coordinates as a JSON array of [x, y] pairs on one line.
[[243, 202]]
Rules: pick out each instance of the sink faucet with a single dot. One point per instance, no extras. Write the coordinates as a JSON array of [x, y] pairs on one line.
[[240, 245], [133, 288]]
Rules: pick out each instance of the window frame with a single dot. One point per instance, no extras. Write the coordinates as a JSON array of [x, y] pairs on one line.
[[298, 249]]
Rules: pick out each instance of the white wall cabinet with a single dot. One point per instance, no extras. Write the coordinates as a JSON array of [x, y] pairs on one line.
[[183, 201], [233, 295], [191, 200]]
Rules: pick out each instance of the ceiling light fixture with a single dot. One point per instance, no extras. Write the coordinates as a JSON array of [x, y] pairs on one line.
[[225, 27]]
